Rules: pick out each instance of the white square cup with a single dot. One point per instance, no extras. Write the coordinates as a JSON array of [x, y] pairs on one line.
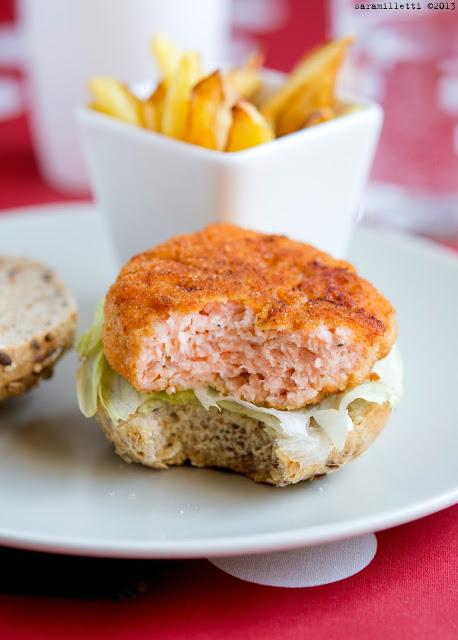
[[307, 185]]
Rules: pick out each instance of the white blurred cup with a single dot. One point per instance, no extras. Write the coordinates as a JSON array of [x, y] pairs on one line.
[[68, 41]]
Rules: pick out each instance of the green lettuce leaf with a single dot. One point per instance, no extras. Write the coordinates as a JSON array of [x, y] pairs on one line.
[[92, 339], [88, 379]]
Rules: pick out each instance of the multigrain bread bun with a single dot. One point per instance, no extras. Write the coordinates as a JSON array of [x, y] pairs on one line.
[[37, 323], [270, 320], [176, 434]]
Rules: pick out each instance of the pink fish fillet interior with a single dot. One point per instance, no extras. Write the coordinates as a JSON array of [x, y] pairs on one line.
[[221, 347]]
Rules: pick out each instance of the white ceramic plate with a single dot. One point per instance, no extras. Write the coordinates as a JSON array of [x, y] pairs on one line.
[[62, 489]]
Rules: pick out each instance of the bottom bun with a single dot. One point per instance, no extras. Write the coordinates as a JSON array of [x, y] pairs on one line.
[[177, 434]]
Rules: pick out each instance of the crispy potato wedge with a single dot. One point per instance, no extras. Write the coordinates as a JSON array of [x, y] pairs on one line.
[[247, 80], [152, 108], [210, 113], [178, 95], [248, 129], [320, 66], [166, 54], [114, 99]]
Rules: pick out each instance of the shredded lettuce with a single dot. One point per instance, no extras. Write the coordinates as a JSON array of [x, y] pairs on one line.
[[331, 415], [89, 374], [317, 428], [88, 379], [92, 340], [336, 424], [117, 395], [391, 373], [207, 397]]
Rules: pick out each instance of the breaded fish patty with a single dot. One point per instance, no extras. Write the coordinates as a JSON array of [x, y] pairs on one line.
[[261, 317]]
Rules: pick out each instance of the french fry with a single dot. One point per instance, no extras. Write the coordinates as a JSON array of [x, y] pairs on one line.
[[113, 98], [301, 83], [152, 108], [209, 114], [248, 129], [316, 98], [178, 94], [343, 108], [322, 115], [247, 80], [166, 54], [95, 107], [226, 111]]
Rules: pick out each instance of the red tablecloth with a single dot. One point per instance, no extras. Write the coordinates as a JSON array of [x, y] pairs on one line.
[[410, 590]]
